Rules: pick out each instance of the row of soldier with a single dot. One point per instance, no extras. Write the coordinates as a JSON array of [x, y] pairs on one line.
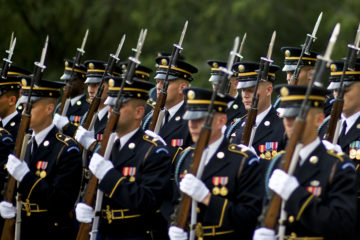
[[144, 174]]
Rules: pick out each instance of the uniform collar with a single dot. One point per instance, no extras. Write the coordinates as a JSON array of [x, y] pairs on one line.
[[261, 116], [124, 139], [211, 149], [172, 111], [232, 101], [75, 99], [349, 121], [40, 136], [102, 112], [8, 118], [307, 150]]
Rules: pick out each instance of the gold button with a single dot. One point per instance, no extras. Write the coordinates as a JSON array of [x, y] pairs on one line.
[[291, 219], [56, 224]]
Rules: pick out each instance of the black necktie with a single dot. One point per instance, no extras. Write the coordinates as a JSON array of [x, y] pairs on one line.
[[115, 150], [34, 145], [1, 124], [167, 116], [342, 134]]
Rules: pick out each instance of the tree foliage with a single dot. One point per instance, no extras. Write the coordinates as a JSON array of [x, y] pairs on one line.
[[212, 28]]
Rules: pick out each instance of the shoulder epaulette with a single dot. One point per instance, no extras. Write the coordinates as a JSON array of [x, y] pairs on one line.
[[236, 149], [336, 155], [3, 131], [151, 139], [65, 139]]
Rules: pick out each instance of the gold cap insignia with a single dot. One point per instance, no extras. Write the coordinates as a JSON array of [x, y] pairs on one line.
[[241, 68], [91, 66], [66, 63], [123, 66], [284, 91], [23, 82], [215, 65], [191, 95], [111, 82], [163, 61], [287, 53], [333, 67]]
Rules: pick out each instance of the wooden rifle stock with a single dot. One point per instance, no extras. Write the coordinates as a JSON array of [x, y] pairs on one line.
[[250, 122], [334, 117], [159, 105], [8, 232], [182, 213], [66, 94]]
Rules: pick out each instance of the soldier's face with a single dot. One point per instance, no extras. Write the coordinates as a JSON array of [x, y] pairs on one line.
[[41, 114], [6, 102], [304, 76], [351, 99], [92, 89], [77, 87], [131, 114], [218, 122], [174, 91], [264, 91], [288, 125]]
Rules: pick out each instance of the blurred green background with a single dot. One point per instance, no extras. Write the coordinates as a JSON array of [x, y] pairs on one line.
[[212, 28]]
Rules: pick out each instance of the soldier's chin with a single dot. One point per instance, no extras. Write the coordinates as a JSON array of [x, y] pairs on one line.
[[195, 137]]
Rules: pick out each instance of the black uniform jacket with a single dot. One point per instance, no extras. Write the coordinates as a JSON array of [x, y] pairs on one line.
[[175, 132], [236, 111], [270, 130], [325, 202], [50, 189], [135, 186], [233, 177]]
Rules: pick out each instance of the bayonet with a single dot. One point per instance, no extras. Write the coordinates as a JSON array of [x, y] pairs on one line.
[[242, 47], [120, 46], [81, 49], [11, 42], [317, 24], [331, 44], [44, 50], [271, 46], [311, 38], [183, 34]]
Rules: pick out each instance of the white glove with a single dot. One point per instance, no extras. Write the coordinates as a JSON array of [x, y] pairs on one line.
[[85, 137], [99, 166], [264, 234], [330, 146], [194, 187], [176, 233], [60, 121], [7, 210], [18, 169], [283, 184], [84, 213]]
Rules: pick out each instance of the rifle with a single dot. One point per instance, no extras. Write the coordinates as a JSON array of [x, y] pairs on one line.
[[89, 197], [161, 100], [7, 61], [182, 211], [332, 132], [249, 129], [65, 99], [310, 39], [271, 211], [8, 229], [113, 59]]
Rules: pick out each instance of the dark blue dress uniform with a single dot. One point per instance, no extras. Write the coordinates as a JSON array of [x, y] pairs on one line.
[[270, 130], [233, 176], [7, 144], [134, 187], [325, 203], [50, 189]]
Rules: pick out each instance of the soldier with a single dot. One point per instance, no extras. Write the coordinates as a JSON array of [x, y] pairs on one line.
[[236, 109], [49, 177], [174, 129], [229, 192], [269, 129], [135, 178], [321, 195], [79, 104]]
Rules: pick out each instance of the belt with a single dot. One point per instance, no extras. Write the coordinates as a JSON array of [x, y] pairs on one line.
[[294, 237], [211, 231], [29, 208], [117, 214]]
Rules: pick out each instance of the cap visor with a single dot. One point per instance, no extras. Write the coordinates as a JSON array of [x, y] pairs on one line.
[[191, 115]]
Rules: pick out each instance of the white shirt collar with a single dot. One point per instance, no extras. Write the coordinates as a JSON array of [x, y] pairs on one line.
[[349, 121], [174, 109], [212, 148], [75, 99], [124, 139], [261, 116], [232, 101], [308, 149], [8, 118], [103, 112], [40, 136]]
